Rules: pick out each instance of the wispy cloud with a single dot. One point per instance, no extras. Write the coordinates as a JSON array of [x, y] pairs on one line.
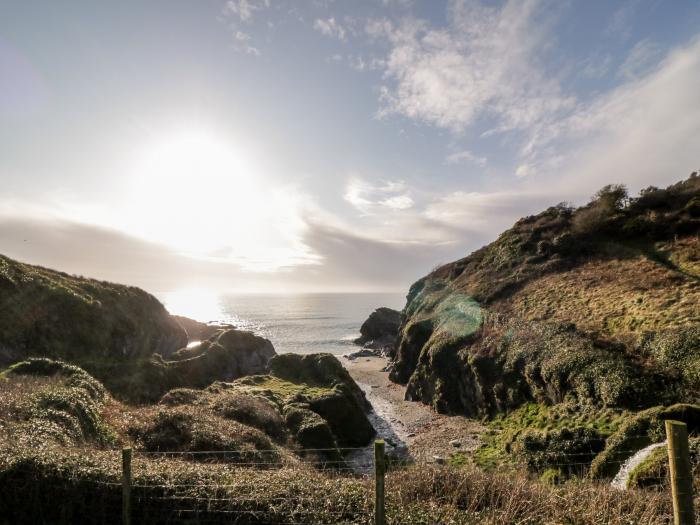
[[330, 27], [369, 198], [483, 64], [240, 13], [466, 157], [244, 10], [485, 212], [641, 58]]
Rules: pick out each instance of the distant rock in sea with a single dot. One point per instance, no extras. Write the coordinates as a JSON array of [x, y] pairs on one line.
[[379, 331]]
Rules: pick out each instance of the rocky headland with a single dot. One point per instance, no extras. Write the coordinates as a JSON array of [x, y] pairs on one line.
[[561, 330]]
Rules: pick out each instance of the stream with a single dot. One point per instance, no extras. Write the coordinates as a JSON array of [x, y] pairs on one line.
[[621, 479], [382, 418]]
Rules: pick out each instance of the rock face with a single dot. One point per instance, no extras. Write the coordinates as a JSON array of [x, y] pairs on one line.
[[597, 305], [89, 322], [309, 398], [227, 355], [380, 330]]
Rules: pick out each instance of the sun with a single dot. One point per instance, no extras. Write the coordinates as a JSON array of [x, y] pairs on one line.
[[193, 190], [199, 193]]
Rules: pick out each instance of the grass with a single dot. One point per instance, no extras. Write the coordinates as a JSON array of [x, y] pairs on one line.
[[280, 389], [504, 430]]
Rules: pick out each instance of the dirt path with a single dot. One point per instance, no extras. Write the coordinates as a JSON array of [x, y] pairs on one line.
[[407, 426]]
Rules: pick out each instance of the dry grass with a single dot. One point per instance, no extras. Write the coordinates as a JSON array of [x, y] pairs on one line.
[[472, 496], [617, 295], [417, 495]]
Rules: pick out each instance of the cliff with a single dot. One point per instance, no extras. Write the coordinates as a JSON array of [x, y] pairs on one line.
[[120, 334], [46, 312], [598, 305]]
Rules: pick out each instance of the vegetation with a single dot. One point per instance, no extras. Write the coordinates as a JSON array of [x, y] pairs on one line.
[[53, 314], [68, 486], [559, 331]]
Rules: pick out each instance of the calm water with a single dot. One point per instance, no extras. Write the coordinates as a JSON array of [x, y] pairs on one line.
[[294, 323]]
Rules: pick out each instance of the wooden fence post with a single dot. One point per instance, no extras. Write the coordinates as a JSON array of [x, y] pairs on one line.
[[680, 473], [379, 470], [126, 486]]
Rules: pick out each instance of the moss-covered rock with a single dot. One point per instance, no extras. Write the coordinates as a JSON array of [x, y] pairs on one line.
[[568, 451], [227, 355], [339, 401], [315, 404], [654, 472]]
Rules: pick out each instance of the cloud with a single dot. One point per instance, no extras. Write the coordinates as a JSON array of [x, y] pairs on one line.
[[244, 10], [482, 64], [641, 59], [371, 198], [353, 262], [597, 66], [241, 13], [243, 43], [485, 213], [464, 157], [645, 131], [330, 27], [620, 24]]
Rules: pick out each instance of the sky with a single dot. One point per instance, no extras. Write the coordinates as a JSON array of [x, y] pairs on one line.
[[325, 146]]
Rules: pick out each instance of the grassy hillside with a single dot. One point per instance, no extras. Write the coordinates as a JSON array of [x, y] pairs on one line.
[[596, 308], [53, 314]]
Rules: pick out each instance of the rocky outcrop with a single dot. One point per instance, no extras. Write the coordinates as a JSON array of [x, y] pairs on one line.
[[227, 355], [197, 331], [380, 330], [577, 305], [310, 399], [119, 334], [334, 395]]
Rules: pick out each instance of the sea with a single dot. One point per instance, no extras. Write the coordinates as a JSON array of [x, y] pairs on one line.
[[299, 323]]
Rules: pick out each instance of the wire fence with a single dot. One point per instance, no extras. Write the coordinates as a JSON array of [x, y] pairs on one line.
[[330, 486], [245, 501]]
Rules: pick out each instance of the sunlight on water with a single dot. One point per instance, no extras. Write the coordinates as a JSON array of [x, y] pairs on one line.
[[301, 323]]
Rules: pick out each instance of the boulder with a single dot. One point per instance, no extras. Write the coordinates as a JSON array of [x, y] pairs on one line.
[[380, 330]]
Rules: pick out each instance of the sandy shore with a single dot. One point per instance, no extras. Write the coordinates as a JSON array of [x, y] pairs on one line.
[[407, 425]]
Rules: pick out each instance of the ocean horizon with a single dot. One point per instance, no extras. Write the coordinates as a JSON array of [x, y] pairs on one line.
[[300, 323]]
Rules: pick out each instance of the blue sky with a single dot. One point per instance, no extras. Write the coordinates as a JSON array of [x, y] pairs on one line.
[[261, 145]]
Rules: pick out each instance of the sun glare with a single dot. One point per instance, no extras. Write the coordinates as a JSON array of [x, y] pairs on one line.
[[197, 192], [195, 303]]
